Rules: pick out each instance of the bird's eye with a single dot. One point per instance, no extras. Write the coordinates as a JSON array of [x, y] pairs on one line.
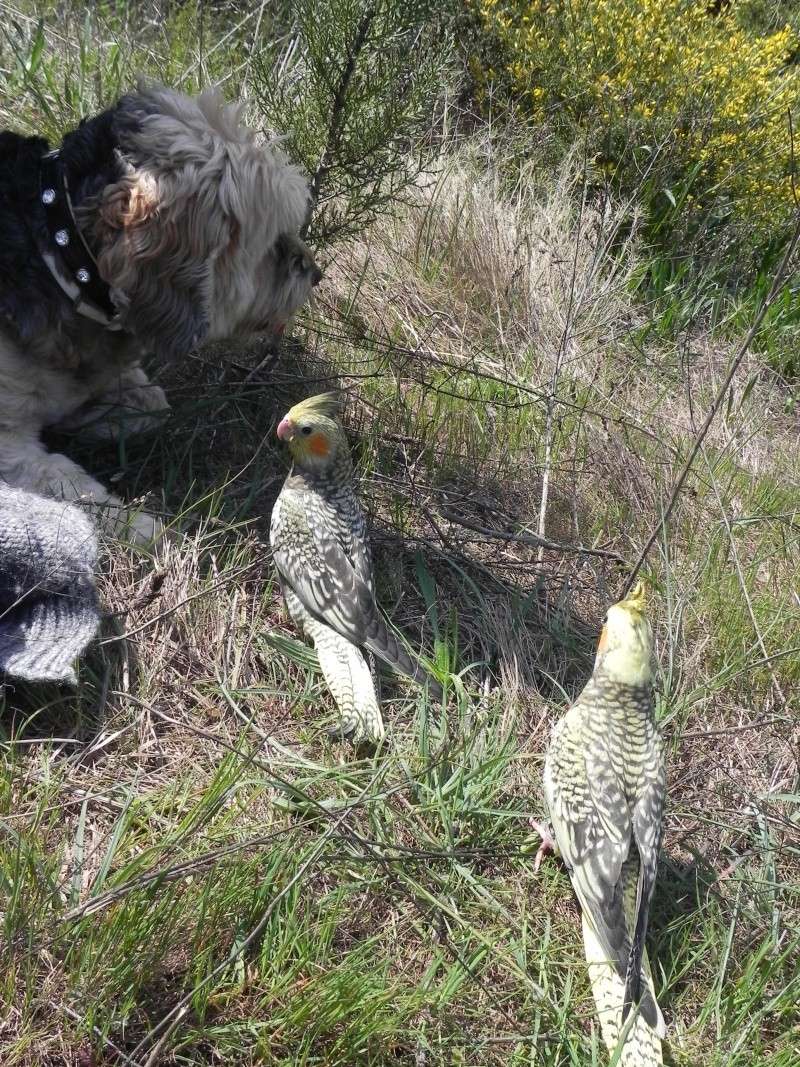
[[306, 430]]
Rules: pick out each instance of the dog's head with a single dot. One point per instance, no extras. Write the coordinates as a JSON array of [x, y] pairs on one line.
[[198, 237], [280, 283]]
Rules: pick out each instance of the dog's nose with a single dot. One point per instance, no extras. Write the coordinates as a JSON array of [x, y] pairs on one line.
[[316, 275]]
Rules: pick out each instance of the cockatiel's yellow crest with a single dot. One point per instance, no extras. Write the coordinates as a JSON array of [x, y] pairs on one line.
[[312, 431], [328, 404], [605, 783]]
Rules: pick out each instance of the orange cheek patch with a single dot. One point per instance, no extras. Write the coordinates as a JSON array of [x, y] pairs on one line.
[[318, 444], [601, 644]]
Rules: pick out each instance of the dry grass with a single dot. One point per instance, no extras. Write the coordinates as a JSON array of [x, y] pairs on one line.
[[185, 796]]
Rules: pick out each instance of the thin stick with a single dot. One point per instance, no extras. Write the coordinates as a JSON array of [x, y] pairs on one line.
[[97, 1031], [549, 433], [530, 539], [252, 51], [172, 1019], [780, 274], [742, 583]]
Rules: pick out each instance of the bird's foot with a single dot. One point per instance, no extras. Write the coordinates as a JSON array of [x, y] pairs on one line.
[[545, 832]]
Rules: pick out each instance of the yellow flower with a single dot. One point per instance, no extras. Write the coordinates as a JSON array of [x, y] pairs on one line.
[[713, 97]]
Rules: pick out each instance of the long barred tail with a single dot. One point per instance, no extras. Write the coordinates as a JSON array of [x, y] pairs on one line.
[[641, 1042], [384, 644], [347, 675]]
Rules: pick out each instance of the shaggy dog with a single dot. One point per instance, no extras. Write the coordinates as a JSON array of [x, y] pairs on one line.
[[158, 225]]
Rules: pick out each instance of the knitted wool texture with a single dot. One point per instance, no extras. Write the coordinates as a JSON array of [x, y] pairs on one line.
[[48, 600]]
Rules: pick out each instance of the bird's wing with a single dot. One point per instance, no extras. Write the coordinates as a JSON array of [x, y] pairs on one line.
[[593, 828], [646, 824], [329, 585], [311, 560], [355, 545]]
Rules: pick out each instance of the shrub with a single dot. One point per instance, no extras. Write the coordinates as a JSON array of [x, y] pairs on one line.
[[355, 85], [688, 102]]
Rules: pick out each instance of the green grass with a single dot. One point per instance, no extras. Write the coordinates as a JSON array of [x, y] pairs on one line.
[[682, 295], [182, 845]]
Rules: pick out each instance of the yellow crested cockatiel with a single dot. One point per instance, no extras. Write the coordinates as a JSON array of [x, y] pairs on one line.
[[605, 784], [319, 544]]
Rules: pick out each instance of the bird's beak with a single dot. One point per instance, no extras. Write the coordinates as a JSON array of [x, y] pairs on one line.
[[285, 429]]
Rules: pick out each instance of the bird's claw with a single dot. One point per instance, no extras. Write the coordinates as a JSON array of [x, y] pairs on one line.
[[548, 841]]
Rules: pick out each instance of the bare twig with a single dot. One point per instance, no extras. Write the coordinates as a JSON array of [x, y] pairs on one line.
[[549, 433], [531, 539], [125, 1059], [220, 584], [757, 724], [172, 1019], [253, 49], [742, 583]]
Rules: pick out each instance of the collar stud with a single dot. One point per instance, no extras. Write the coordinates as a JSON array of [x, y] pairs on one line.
[[66, 254]]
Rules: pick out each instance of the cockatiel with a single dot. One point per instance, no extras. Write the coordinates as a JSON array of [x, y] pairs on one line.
[[319, 544], [605, 782]]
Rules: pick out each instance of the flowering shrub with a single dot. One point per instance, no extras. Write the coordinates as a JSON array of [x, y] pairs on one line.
[[667, 90]]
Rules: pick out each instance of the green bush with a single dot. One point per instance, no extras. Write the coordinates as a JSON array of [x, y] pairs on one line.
[[356, 84], [687, 106]]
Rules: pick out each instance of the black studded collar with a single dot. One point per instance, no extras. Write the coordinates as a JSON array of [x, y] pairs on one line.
[[66, 254]]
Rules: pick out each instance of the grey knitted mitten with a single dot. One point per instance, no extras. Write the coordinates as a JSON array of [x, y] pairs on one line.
[[48, 600]]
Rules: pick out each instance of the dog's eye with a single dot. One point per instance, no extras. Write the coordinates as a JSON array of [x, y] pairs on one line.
[[305, 430]]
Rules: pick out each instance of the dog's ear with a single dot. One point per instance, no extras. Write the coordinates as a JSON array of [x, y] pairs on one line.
[[155, 251]]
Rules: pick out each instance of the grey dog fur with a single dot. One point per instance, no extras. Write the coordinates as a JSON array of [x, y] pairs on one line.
[[195, 227]]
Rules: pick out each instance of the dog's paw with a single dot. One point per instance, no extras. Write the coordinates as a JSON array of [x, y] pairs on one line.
[[55, 475], [129, 412], [144, 529], [144, 399], [132, 525]]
